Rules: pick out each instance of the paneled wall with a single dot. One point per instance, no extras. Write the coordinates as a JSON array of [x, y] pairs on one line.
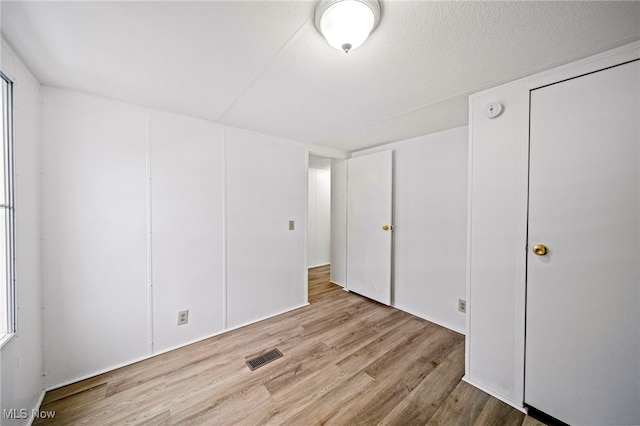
[[94, 228], [430, 219], [148, 213], [266, 268], [429, 225], [186, 200], [498, 205]]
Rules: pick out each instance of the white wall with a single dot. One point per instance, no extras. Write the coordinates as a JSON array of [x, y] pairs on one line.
[[21, 358], [339, 221], [94, 227], [498, 182], [266, 265], [187, 195], [311, 218], [430, 219], [147, 213], [319, 217], [430, 211]]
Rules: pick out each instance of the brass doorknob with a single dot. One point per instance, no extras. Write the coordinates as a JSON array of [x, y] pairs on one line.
[[386, 227], [540, 249]]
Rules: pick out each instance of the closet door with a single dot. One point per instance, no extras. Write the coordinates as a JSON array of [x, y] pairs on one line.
[[369, 211], [583, 299]]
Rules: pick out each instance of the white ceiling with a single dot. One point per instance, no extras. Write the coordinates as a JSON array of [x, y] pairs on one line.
[[262, 65]]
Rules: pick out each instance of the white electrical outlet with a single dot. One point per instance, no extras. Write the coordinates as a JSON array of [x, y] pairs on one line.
[[462, 305], [183, 317]]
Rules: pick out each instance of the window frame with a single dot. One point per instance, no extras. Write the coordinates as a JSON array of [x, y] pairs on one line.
[[9, 209]]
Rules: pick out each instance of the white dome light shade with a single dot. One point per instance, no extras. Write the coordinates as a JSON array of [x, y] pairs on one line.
[[346, 24]]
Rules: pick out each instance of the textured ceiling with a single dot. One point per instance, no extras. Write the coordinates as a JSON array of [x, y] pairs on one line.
[[262, 65]]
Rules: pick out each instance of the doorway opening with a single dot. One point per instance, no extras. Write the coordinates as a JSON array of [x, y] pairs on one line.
[[326, 224], [319, 212]]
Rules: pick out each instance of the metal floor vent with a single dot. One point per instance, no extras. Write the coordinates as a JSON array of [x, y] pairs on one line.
[[263, 359]]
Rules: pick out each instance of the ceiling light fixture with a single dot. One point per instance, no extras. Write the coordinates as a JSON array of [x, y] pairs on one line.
[[346, 24]]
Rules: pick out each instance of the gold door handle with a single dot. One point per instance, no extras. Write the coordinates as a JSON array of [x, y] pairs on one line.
[[385, 227], [540, 249]]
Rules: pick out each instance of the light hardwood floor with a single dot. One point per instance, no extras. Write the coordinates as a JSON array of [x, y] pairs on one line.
[[347, 361]]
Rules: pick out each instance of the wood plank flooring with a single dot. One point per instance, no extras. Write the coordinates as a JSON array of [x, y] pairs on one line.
[[347, 361]]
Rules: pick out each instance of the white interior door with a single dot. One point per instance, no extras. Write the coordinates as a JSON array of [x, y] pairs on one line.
[[583, 298], [369, 211]]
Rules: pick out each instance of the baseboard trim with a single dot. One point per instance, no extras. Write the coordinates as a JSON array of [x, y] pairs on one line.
[[164, 351], [264, 318], [321, 265], [457, 329], [36, 408], [515, 405]]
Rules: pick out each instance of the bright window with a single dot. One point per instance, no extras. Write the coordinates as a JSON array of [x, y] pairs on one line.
[[7, 282]]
